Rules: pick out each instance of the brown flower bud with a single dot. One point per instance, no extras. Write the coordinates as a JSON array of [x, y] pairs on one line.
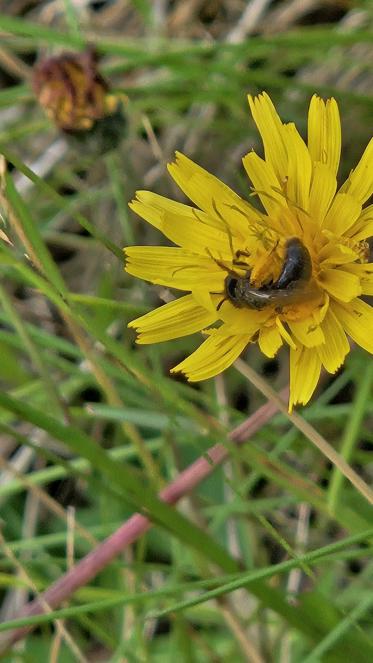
[[72, 91]]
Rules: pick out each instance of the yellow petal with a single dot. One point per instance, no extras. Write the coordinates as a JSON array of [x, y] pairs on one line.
[[264, 181], [307, 332], [174, 267], [363, 227], [212, 195], [305, 367], [285, 334], [333, 352], [242, 320], [271, 130], [360, 181], [178, 318], [324, 133], [163, 204], [323, 188], [187, 228], [340, 284], [319, 313], [299, 168], [343, 213], [216, 354], [206, 299], [364, 272], [270, 341], [336, 254], [357, 319]]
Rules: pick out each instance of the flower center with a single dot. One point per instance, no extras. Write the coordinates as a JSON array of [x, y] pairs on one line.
[[278, 278]]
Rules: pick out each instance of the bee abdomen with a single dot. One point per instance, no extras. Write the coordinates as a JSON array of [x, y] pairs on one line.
[[297, 265]]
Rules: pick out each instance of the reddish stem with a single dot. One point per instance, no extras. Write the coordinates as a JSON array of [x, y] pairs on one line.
[[137, 524]]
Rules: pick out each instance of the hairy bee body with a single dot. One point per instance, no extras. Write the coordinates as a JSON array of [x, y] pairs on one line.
[[296, 271]]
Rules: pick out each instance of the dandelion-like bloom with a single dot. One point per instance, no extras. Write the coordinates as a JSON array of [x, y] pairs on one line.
[[292, 273]]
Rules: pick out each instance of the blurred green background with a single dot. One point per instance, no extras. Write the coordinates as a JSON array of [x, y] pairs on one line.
[[69, 366]]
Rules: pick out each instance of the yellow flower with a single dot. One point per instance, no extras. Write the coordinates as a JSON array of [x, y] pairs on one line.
[[292, 273]]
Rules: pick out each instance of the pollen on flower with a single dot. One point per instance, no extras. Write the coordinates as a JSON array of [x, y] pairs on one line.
[[266, 263], [292, 274]]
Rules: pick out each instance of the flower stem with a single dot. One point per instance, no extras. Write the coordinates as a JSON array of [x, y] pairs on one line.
[[307, 430]]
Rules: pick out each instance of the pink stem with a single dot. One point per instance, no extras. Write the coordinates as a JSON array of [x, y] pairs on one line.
[[137, 524]]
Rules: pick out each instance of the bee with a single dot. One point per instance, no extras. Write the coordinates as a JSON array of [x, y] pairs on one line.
[[289, 287]]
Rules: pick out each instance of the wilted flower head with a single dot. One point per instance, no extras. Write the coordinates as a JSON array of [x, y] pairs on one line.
[[292, 273], [72, 91]]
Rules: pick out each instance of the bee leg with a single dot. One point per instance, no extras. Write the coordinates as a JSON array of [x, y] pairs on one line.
[[222, 219], [221, 264], [221, 303], [242, 265], [240, 253]]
